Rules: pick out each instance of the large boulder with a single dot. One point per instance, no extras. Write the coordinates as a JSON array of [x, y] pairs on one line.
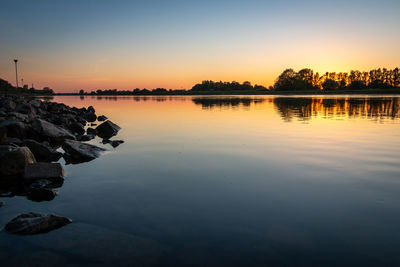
[[77, 152], [3, 135], [44, 170], [51, 131], [107, 129], [14, 128], [13, 162], [34, 223], [42, 151], [26, 109], [89, 116], [76, 127]]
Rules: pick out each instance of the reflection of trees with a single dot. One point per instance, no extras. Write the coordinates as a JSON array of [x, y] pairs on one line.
[[230, 102], [305, 108]]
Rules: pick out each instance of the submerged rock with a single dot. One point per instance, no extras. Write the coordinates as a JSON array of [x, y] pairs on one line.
[[51, 131], [107, 129], [13, 162], [44, 170], [41, 194], [77, 152], [34, 223]]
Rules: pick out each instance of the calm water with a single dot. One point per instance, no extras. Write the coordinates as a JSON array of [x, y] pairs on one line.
[[249, 181]]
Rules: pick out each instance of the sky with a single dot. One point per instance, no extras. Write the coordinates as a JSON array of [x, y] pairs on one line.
[[96, 44]]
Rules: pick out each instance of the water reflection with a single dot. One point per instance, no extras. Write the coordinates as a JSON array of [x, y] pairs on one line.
[[377, 108], [226, 102]]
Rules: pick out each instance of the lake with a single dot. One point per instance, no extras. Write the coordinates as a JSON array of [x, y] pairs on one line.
[[227, 180]]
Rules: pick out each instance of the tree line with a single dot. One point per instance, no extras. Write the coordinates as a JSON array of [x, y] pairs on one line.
[[307, 79], [7, 88]]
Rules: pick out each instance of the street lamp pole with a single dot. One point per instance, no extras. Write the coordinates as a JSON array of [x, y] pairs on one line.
[[16, 71]]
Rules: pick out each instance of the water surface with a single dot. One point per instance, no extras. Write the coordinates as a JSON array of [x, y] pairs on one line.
[[249, 181]]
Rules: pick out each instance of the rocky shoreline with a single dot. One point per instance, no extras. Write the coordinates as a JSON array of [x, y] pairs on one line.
[[34, 136]]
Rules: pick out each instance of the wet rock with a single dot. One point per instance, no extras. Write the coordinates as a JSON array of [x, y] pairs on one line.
[[91, 109], [42, 151], [36, 103], [91, 131], [26, 109], [87, 137], [1, 203], [102, 118], [113, 143], [14, 128], [107, 129], [42, 183], [34, 223], [44, 170], [8, 104], [13, 162], [77, 152], [90, 116], [76, 127], [3, 135], [51, 131], [41, 194]]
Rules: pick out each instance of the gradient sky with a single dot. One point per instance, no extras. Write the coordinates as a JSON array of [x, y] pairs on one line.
[[91, 44]]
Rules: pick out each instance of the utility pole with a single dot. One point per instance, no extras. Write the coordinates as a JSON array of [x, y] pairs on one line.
[[22, 81], [16, 71]]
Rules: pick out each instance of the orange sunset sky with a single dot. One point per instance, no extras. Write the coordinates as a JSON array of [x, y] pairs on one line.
[[72, 45]]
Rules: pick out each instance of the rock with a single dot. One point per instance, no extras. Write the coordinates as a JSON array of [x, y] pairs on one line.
[[3, 135], [76, 127], [91, 131], [42, 183], [107, 129], [44, 170], [102, 118], [8, 104], [42, 151], [36, 103], [14, 161], [87, 137], [90, 116], [26, 109], [14, 128], [1, 203], [41, 194], [77, 152], [91, 109], [34, 223], [51, 131], [113, 143]]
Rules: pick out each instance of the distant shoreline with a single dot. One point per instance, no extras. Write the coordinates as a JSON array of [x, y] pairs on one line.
[[210, 93]]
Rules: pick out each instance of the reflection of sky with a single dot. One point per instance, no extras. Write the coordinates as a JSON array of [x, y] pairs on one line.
[[70, 45]]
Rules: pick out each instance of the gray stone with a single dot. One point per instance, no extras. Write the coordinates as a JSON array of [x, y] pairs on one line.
[[76, 127], [42, 151], [34, 223], [14, 128], [77, 152], [14, 161], [51, 131], [107, 129], [44, 170]]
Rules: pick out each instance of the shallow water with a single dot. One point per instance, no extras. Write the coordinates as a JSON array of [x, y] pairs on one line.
[[249, 181]]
